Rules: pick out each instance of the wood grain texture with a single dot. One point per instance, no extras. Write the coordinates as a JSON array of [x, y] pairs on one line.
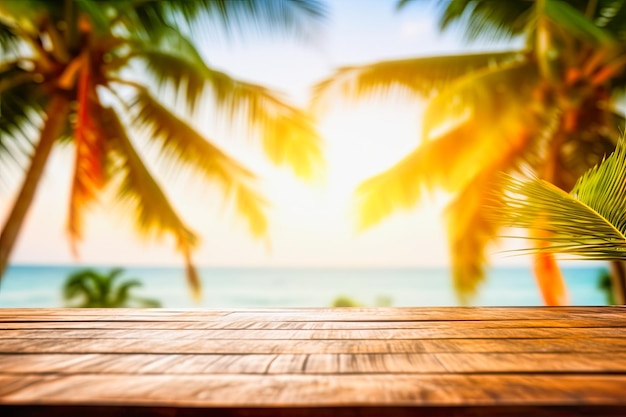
[[233, 346], [321, 390], [364, 334], [566, 361], [315, 325]]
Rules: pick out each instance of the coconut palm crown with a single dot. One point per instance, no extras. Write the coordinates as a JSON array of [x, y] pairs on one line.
[[548, 107], [96, 73]]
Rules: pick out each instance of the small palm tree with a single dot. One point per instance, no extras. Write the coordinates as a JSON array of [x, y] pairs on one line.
[[549, 106], [589, 222], [96, 74], [605, 285], [90, 289]]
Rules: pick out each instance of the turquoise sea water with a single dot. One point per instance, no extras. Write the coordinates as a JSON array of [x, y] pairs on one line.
[[40, 286]]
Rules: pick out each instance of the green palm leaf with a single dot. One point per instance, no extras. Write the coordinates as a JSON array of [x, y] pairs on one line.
[[121, 295], [419, 76], [173, 60], [299, 17], [82, 286], [575, 22], [9, 42], [590, 222], [486, 19], [21, 104]]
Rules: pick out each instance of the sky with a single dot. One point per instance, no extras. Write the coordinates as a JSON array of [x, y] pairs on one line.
[[311, 225]]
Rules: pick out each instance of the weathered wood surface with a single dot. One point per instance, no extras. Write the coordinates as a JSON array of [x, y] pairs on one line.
[[567, 361]]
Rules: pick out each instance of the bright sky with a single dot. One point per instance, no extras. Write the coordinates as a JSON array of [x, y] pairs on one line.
[[310, 225]]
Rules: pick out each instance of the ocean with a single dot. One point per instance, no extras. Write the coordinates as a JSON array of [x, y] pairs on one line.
[[40, 286]]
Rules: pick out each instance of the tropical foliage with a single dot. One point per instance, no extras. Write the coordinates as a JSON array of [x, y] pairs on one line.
[[548, 107], [345, 301], [606, 286], [589, 222], [90, 289], [96, 74]]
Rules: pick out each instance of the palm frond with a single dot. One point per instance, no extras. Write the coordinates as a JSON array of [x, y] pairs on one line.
[[494, 20], [481, 96], [25, 14], [486, 19], [470, 231], [181, 143], [9, 41], [451, 161], [418, 76], [446, 162], [288, 134], [575, 22], [590, 222], [121, 295], [299, 17], [173, 60], [79, 284], [611, 16], [20, 98], [21, 108], [154, 215]]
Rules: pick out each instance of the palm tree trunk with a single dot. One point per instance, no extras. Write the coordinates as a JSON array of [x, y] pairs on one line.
[[618, 281], [56, 117]]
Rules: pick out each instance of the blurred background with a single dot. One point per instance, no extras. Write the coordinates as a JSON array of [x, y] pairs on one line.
[[295, 154]]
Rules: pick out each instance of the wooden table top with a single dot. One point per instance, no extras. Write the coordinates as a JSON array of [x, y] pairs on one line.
[[314, 362]]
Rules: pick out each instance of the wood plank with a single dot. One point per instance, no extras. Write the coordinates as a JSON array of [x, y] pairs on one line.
[[339, 411], [362, 334], [393, 363], [342, 314], [318, 390], [313, 363], [533, 362], [211, 346], [11, 383], [288, 364], [607, 345], [322, 364], [477, 361], [313, 325], [524, 345]]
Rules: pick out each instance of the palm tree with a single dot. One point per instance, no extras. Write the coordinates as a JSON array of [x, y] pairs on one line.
[[86, 72], [91, 289], [548, 107], [589, 222]]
